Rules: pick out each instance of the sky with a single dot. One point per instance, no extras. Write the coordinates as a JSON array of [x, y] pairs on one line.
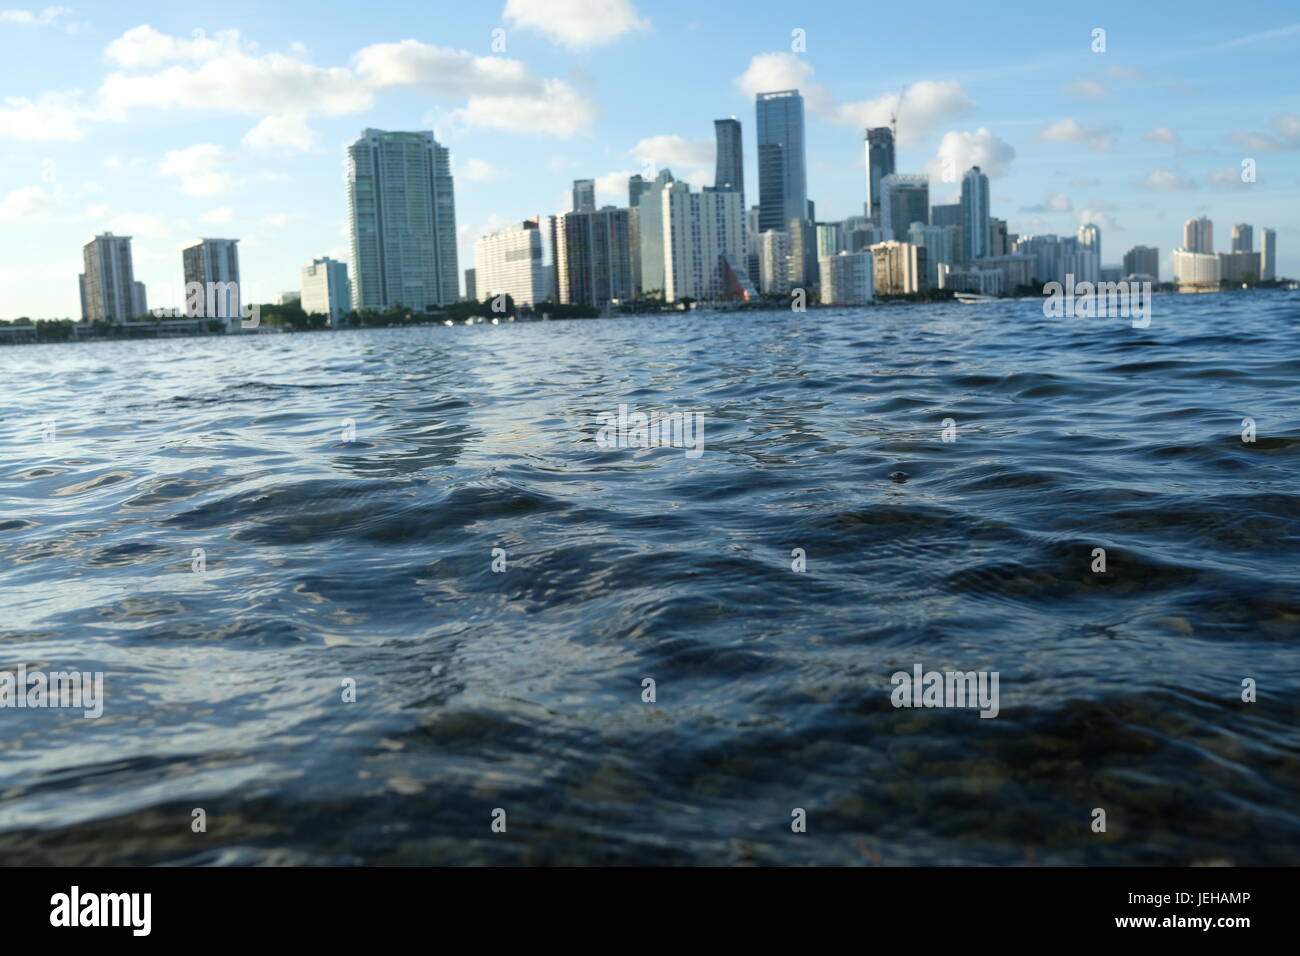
[[172, 121]]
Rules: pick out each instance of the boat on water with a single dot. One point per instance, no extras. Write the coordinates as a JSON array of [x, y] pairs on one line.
[[969, 297]]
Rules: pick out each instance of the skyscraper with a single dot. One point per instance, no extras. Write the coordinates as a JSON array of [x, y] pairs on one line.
[[636, 185], [584, 195], [782, 172], [402, 219], [904, 199], [593, 256], [1268, 254], [879, 145], [214, 265], [704, 237], [1090, 253], [1243, 238], [1198, 235], [326, 289], [976, 230], [108, 284], [510, 261], [730, 170], [1143, 260], [651, 240]]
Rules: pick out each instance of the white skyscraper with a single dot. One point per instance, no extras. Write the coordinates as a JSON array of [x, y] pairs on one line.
[[402, 219], [700, 230], [1268, 254], [977, 233], [510, 261], [214, 265], [326, 289], [773, 268], [650, 233], [848, 278], [1089, 254], [108, 284]]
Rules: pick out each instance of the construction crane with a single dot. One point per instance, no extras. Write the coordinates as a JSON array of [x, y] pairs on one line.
[[893, 116]]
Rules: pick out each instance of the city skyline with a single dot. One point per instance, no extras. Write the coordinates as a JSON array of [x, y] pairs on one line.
[[166, 168]]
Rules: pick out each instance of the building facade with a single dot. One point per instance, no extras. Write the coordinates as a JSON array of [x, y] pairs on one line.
[[402, 221], [904, 199], [847, 278], [510, 261], [1198, 235], [1143, 260], [782, 171], [1268, 254], [977, 235], [326, 290], [900, 268], [593, 257], [879, 146], [729, 171], [214, 265], [108, 283]]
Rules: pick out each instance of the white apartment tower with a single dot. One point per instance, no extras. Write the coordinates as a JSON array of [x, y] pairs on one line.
[[326, 289], [510, 261], [402, 219], [108, 292]]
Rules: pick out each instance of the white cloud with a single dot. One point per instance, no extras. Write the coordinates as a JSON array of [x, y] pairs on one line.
[[925, 104], [218, 217], [556, 109], [1099, 218], [286, 132], [1226, 178], [959, 151], [49, 17], [611, 188], [1162, 136], [1069, 130], [27, 204], [576, 24], [669, 151], [1286, 139], [1086, 89], [278, 220], [52, 116], [200, 169], [1167, 180], [479, 171], [145, 46]]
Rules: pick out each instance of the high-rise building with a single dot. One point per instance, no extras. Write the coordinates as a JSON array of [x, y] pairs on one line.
[[651, 238], [214, 265], [1198, 235], [326, 289], [847, 278], [729, 172], [402, 220], [1268, 254], [593, 257], [1193, 269], [108, 284], [510, 261], [1089, 253], [977, 241], [999, 243], [635, 187], [940, 244], [900, 268], [139, 301], [1240, 266], [471, 286], [949, 214], [704, 240], [773, 262], [1143, 260], [1243, 238], [830, 241], [803, 253], [879, 145], [904, 199], [782, 173], [584, 195], [861, 232]]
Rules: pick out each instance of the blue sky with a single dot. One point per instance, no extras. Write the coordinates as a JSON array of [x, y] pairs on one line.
[[117, 117]]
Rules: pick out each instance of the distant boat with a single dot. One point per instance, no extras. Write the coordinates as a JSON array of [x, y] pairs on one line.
[[969, 297]]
